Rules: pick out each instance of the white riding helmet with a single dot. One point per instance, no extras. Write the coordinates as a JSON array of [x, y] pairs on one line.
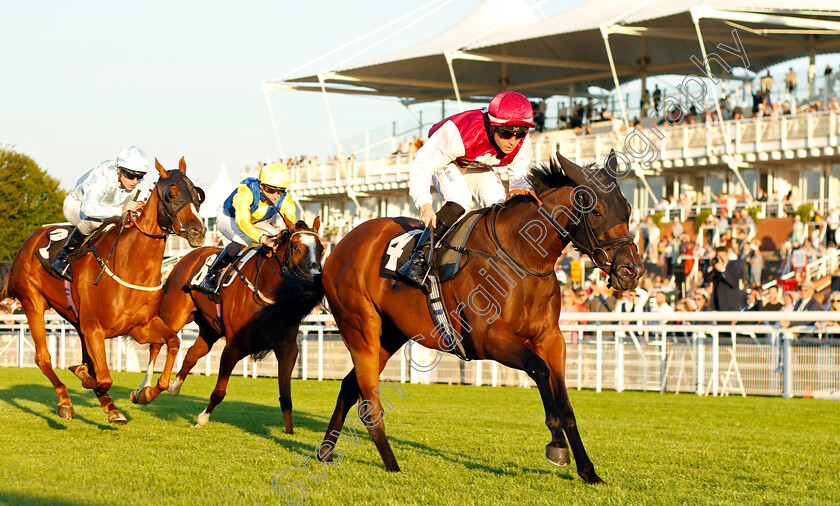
[[133, 160]]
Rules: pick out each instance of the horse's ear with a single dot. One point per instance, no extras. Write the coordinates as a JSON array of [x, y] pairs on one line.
[[573, 170], [316, 224], [290, 225], [160, 168], [612, 164], [182, 165]]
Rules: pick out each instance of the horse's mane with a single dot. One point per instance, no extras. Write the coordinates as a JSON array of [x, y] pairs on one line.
[[294, 297], [548, 175]]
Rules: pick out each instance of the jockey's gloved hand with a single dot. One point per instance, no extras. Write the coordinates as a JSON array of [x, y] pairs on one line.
[[131, 205], [428, 216]]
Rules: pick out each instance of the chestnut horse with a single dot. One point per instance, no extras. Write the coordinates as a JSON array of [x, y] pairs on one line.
[[124, 302], [504, 302], [258, 315]]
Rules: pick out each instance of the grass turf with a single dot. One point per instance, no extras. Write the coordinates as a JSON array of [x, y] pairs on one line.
[[455, 445]]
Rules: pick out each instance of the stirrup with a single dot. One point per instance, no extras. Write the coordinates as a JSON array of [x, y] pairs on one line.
[[62, 267], [210, 284]]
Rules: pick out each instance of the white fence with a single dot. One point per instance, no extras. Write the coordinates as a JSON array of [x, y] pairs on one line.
[[622, 351]]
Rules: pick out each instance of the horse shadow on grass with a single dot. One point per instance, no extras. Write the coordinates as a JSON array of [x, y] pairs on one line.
[[45, 395], [509, 468], [257, 419]]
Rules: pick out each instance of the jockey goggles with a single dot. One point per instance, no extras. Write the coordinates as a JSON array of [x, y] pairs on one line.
[[131, 175], [507, 133], [272, 189]]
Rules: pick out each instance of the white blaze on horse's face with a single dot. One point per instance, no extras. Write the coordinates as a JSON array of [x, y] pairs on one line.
[[194, 209], [311, 243]]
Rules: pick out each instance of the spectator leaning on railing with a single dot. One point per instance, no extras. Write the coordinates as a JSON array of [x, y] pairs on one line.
[[807, 302], [833, 305]]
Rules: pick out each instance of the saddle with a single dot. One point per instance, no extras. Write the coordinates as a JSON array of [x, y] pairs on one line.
[[56, 238], [448, 260], [449, 257]]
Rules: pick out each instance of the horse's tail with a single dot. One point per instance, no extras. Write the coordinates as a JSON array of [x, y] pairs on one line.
[[294, 298], [5, 269]]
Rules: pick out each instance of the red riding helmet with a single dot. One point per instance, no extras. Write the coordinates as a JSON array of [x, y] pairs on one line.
[[511, 109]]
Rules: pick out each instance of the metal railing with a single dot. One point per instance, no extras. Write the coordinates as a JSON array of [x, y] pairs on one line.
[[699, 352]]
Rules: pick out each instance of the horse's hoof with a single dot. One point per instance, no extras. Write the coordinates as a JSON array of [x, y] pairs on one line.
[[116, 416], [592, 478], [557, 455], [143, 395], [66, 412], [133, 397]]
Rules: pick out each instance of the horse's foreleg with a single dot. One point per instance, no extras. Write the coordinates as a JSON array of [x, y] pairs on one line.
[[37, 327], [95, 341], [230, 357], [199, 349], [508, 349], [154, 350], [286, 357], [555, 354], [152, 333]]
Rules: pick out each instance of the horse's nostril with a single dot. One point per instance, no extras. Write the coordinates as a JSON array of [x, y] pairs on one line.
[[628, 271]]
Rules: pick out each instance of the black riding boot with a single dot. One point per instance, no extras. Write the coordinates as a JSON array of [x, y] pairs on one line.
[[62, 264], [210, 285], [417, 266]]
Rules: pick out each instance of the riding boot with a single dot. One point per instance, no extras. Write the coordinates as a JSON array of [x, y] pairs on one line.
[[62, 264], [210, 284], [417, 266]]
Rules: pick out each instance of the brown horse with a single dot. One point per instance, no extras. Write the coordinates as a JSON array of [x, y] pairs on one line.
[[505, 302], [261, 309], [124, 302]]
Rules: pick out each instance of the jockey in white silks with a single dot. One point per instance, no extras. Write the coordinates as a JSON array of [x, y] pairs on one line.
[[103, 192]]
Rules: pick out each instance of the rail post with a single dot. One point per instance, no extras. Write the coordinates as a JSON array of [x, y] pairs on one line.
[[304, 350], [715, 359], [699, 346], [320, 353], [619, 363], [599, 355], [786, 368]]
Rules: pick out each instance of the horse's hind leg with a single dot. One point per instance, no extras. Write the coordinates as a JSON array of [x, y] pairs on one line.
[[347, 397], [555, 355], [230, 357], [37, 327], [286, 357]]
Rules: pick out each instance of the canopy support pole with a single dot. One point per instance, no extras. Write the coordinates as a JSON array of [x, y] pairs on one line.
[[449, 58], [273, 121], [329, 112], [729, 157], [605, 33]]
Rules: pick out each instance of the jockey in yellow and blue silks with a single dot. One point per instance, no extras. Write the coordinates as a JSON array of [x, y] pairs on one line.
[[253, 202]]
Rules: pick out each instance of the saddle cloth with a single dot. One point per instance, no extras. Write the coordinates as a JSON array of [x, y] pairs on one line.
[[230, 272], [448, 261], [56, 238]]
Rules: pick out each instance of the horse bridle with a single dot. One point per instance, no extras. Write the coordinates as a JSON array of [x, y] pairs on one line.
[[169, 229], [591, 249], [285, 266]]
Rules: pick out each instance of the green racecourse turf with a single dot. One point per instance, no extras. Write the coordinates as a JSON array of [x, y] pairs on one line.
[[455, 444]]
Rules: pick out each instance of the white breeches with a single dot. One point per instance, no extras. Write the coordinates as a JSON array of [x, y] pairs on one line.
[[228, 227], [459, 187], [73, 213]]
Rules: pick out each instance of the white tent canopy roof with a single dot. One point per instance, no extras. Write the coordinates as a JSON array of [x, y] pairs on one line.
[[216, 195], [542, 58]]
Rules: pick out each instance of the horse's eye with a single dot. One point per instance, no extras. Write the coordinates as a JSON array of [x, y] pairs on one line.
[[595, 212], [295, 248], [171, 195]]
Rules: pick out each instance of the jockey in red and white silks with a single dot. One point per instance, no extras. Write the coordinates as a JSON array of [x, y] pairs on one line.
[[460, 159]]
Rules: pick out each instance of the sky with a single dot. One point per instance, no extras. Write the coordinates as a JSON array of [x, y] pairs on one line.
[[82, 80]]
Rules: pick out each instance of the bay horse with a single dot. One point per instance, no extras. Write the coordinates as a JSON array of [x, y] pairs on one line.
[[259, 315], [504, 302], [125, 302]]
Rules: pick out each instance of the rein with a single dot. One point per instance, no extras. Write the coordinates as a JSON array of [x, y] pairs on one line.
[[285, 266], [592, 249]]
